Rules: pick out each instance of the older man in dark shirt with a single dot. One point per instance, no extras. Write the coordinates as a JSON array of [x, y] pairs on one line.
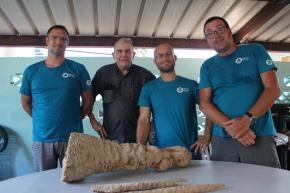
[[120, 86]]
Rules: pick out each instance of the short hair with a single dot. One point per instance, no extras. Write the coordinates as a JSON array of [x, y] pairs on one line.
[[215, 18], [163, 44], [57, 27], [123, 40]]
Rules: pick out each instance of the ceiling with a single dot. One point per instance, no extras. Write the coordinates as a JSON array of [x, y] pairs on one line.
[[148, 22]]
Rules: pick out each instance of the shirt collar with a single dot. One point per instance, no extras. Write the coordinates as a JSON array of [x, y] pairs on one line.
[[119, 72]]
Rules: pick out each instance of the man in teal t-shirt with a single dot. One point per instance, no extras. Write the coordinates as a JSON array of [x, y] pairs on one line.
[[172, 100], [50, 94], [238, 86]]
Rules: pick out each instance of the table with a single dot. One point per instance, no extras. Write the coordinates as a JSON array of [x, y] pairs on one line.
[[238, 178]]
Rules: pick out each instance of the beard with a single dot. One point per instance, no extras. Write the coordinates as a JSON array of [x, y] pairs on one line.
[[168, 69]]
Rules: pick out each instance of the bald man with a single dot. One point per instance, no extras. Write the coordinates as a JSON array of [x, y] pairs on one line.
[[172, 100]]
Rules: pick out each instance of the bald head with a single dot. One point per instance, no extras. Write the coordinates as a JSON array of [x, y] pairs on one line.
[[167, 46], [164, 58]]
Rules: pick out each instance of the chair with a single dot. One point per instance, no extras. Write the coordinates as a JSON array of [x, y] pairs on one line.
[[282, 143]]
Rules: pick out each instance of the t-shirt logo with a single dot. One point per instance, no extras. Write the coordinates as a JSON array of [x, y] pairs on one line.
[[181, 90], [67, 75], [269, 62], [240, 60]]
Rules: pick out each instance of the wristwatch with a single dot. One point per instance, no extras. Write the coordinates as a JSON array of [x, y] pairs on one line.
[[253, 118]]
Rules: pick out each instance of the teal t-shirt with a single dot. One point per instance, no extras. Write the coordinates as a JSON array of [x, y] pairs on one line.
[[236, 84], [173, 106], [55, 94]]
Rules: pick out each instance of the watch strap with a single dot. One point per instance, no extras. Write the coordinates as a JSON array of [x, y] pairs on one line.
[[249, 114], [253, 119]]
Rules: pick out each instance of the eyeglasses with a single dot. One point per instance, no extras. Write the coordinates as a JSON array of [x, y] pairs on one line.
[[218, 30], [161, 55], [61, 38]]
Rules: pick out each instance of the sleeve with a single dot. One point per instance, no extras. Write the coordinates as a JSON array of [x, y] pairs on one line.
[[204, 79], [25, 88], [144, 98], [150, 77], [96, 84], [85, 79], [195, 92], [265, 62]]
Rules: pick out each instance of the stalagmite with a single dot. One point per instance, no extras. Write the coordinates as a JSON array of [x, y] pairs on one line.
[[133, 186], [200, 188], [159, 186], [87, 155]]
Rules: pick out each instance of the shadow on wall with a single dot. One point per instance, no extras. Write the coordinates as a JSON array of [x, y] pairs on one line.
[[8, 156]]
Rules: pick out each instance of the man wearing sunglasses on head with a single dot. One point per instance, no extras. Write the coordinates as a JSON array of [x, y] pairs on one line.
[[238, 86]]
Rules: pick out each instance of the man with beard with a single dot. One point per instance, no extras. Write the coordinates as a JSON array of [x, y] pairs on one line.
[[50, 94], [238, 86], [120, 85], [172, 100]]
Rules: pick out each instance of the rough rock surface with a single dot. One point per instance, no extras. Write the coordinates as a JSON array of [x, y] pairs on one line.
[[87, 155]]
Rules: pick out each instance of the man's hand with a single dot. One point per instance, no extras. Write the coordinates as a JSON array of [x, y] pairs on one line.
[[237, 127], [248, 139], [99, 128], [201, 144]]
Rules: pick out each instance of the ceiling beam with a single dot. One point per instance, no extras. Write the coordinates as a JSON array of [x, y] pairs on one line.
[[276, 46], [93, 41], [12, 40], [265, 14]]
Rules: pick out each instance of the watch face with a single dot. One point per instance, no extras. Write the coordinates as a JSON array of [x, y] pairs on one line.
[[253, 120]]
